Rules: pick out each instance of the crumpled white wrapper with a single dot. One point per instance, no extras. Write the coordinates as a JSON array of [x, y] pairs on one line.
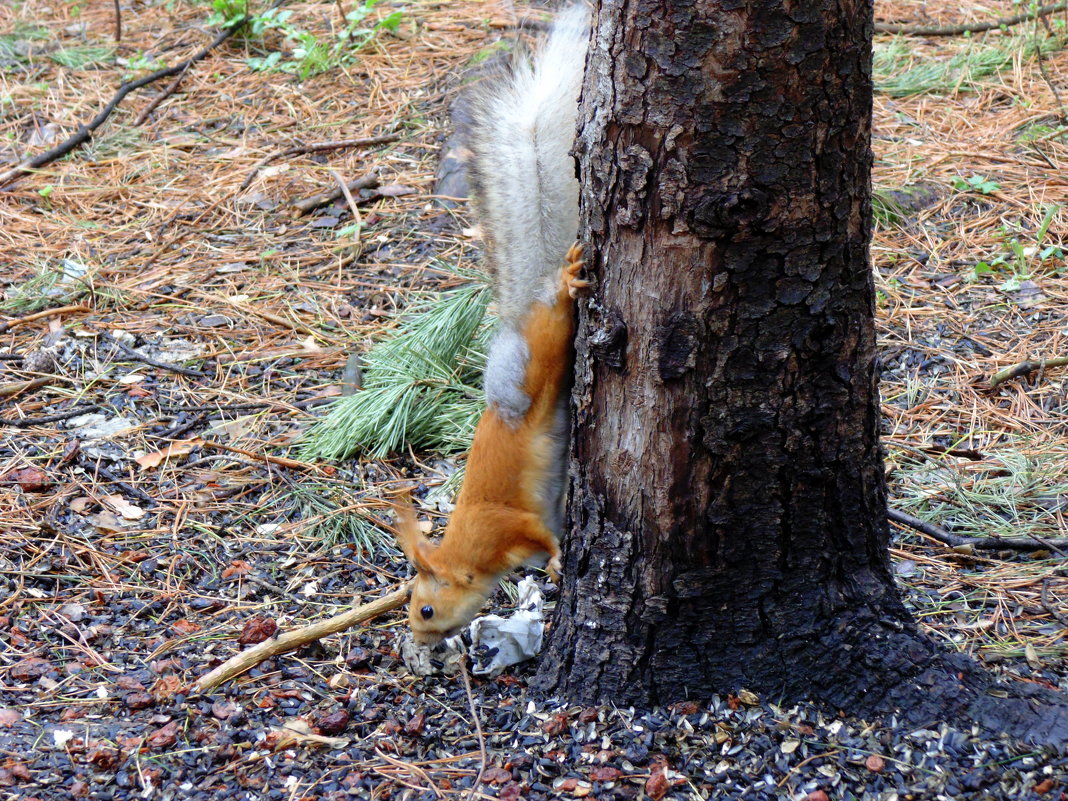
[[496, 642]]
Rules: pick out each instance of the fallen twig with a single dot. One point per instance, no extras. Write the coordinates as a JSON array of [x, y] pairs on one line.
[[1023, 368], [276, 590], [357, 219], [277, 319], [140, 357], [978, 543], [408, 766], [973, 27], [280, 461], [18, 387], [302, 207], [118, 21], [316, 147], [1044, 600], [478, 726], [102, 472], [85, 132], [249, 658], [28, 422], [7, 325], [172, 87]]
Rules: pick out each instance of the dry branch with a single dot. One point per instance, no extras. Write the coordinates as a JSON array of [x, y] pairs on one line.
[[280, 461], [316, 147], [974, 27], [29, 422], [85, 132], [978, 543], [7, 325], [140, 357], [172, 87], [249, 658], [302, 207], [1023, 368], [357, 220], [17, 388]]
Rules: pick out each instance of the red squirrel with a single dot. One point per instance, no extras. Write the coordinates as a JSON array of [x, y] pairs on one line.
[[510, 509]]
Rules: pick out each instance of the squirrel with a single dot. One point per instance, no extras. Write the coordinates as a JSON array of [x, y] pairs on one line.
[[511, 506]]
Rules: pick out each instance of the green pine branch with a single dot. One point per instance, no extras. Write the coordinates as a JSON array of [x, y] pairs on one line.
[[422, 385]]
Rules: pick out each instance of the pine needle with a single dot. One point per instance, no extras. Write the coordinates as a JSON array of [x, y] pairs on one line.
[[901, 70], [422, 385]]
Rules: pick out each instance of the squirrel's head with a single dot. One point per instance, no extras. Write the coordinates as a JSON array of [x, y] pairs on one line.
[[445, 597]]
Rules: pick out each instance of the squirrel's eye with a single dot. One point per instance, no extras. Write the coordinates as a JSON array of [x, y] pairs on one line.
[[427, 612]]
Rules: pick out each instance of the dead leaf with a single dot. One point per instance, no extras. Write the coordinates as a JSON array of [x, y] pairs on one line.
[[334, 722], [238, 567], [175, 449], [224, 710], [9, 717], [81, 504], [165, 736], [606, 773], [72, 449], [656, 786], [257, 630], [29, 479], [184, 627], [125, 509], [166, 687], [496, 775], [106, 521], [298, 731], [1031, 655], [29, 669], [748, 698]]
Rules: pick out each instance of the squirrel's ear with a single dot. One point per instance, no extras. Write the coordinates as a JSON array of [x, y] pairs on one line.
[[411, 539]]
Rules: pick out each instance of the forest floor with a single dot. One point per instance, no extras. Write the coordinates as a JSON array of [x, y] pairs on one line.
[[170, 325]]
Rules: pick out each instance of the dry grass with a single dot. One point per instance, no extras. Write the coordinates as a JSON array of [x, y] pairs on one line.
[[149, 230]]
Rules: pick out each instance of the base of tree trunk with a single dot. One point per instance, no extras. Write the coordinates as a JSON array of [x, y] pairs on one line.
[[864, 664]]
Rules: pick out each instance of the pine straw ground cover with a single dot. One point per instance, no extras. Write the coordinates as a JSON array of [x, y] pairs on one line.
[[171, 326]]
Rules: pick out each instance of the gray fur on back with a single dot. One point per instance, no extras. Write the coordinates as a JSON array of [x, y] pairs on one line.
[[506, 366], [522, 177]]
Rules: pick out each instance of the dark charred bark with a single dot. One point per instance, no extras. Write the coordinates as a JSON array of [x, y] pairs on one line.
[[727, 499]]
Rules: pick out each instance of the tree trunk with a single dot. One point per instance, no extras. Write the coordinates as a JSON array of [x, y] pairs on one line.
[[727, 499]]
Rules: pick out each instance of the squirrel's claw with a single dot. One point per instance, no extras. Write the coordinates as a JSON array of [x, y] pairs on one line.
[[575, 286]]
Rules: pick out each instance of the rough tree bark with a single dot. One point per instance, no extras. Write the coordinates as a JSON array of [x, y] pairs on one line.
[[727, 500]]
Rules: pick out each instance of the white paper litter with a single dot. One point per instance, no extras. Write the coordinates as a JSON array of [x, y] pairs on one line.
[[496, 642]]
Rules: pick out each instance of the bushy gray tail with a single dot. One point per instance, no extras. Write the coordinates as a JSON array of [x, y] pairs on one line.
[[522, 178]]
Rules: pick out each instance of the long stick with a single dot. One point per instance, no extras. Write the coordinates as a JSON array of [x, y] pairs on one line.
[[85, 132], [1023, 368], [249, 658], [974, 27]]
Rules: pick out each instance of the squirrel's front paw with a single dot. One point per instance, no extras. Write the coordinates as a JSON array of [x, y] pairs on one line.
[[575, 286]]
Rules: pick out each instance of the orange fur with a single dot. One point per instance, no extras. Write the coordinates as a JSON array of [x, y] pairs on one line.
[[498, 523]]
